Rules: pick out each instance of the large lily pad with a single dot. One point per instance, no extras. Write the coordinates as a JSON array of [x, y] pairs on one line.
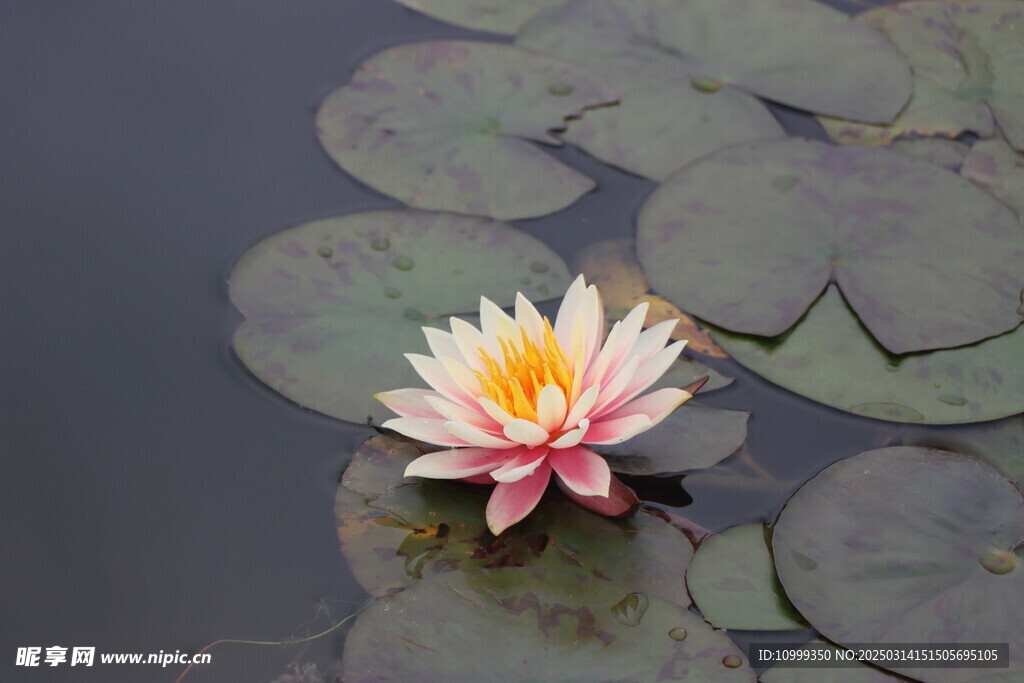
[[534, 625], [691, 438], [926, 259], [1000, 444], [732, 580], [829, 357], [444, 125], [998, 168], [968, 65], [496, 16], [332, 305], [395, 531], [687, 72], [908, 545], [613, 267]]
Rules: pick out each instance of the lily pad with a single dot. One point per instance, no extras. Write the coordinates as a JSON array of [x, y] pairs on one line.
[[332, 305], [948, 154], [908, 545], [1000, 444], [733, 582], [690, 439], [926, 259], [612, 266], [496, 16], [967, 64], [444, 125], [854, 673], [549, 625], [687, 89], [998, 168], [984, 381], [395, 531]]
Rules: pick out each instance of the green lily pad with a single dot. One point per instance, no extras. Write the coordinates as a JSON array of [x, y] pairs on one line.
[[966, 61], [948, 154], [444, 125], [395, 531], [984, 381], [1000, 444], [859, 673], [908, 545], [496, 16], [687, 89], [534, 625], [733, 582], [926, 259], [332, 305], [691, 438], [999, 169]]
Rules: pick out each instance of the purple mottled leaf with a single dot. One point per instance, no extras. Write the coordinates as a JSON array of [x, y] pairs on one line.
[[997, 167], [444, 125], [925, 259], [332, 305], [534, 625], [908, 545]]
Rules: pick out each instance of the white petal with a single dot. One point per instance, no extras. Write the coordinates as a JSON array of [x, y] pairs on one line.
[[646, 374], [551, 408], [476, 437], [611, 392], [567, 311], [495, 411], [522, 465], [425, 429], [457, 463], [490, 315], [456, 413], [620, 340], [582, 407], [592, 311], [530, 319], [442, 344], [617, 431], [409, 402], [434, 373], [573, 436], [656, 405], [653, 340], [463, 377], [525, 432], [470, 341]]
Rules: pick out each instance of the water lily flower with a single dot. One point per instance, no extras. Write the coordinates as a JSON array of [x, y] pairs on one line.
[[516, 400]]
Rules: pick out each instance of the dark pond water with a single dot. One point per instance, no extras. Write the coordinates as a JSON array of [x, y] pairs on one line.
[[156, 496]]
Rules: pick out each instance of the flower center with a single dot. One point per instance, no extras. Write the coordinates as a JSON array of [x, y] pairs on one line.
[[528, 367]]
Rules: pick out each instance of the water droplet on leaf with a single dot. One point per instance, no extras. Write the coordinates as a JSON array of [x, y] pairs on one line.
[[560, 89], [630, 610], [732, 661], [326, 252], [392, 293], [677, 633], [539, 267], [380, 244], [403, 263]]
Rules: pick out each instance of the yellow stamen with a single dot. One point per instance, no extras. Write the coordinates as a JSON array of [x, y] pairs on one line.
[[516, 383]]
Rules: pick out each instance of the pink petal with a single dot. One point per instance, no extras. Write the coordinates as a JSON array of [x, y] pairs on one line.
[[551, 408], [573, 436], [620, 501], [617, 431], [582, 470], [458, 463], [513, 501], [582, 407], [646, 374], [425, 429], [456, 413], [525, 432], [433, 372], [409, 402], [653, 340], [613, 390], [657, 405], [620, 341], [484, 479], [523, 464], [477, 437]]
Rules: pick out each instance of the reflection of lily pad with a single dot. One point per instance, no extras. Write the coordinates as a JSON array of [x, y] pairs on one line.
[[908, 545], [534, 625], [332, 305], [966, 60], [830, 358], [733, 582], [612, 266], [1000, 444], [497, 16], [995, 166], [687, 72], [926, 259], [441, 125], [859, 673], [395, 530]]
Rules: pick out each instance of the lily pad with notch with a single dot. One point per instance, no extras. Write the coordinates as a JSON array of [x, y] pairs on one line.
[[688, 72], [444, 125], [552, 626], [984, 381], [332, 305], [926, 259], [908, 545], [967, 67], [733, 582], [395, 531]]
